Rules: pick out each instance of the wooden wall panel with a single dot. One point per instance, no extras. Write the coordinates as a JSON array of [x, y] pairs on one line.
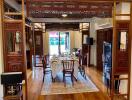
[[122, 55]]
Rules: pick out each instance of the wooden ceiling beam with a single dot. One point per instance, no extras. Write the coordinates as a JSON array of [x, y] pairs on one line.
[[74, 0], [81, 0], [48, 3], [71, 16], [55, 8]]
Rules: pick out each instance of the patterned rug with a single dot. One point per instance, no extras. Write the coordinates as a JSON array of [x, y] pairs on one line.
[[82, 85]]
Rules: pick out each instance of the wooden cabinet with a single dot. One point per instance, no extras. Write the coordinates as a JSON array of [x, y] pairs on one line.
[[13, 47]]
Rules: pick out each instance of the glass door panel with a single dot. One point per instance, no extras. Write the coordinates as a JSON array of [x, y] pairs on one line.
[[64, 42], [58, 42], [54, 43]]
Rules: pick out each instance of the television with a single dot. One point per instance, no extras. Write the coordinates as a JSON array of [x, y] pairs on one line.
[[89, 41]]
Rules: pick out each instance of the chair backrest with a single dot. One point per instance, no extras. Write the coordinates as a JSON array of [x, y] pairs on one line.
[[68, 64], [47, 59], [82, 59], [54, 64]]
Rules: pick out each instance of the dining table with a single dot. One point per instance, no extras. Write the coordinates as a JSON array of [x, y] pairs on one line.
[[57, 66]]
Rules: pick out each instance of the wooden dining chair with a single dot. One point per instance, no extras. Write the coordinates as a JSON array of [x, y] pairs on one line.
[[46, 68], [76, 66], [68, 70], [82, 66]]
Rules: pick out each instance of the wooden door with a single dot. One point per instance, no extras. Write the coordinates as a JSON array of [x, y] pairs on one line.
[[29, 46], [38, 37], [102, 35], [38, 48], [100, 39]]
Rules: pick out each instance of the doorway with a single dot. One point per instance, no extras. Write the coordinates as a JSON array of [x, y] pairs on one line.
[[59, 42]]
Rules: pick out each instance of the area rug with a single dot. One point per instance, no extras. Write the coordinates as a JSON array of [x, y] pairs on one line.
[[82, 85]]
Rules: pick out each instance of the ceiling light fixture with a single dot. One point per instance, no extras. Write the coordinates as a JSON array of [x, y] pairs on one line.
[[64, 15]]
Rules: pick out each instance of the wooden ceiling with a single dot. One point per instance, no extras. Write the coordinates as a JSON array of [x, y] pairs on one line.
[[73, 8]]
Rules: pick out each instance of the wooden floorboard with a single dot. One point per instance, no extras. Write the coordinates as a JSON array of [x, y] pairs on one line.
[[35, 85]]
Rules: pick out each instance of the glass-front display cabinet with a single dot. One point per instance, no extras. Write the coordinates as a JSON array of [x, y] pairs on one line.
[[13, 47]]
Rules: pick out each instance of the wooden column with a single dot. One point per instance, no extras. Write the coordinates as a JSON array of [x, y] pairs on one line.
[[113, 49], [117, 68], [24, 48], [21, 63]]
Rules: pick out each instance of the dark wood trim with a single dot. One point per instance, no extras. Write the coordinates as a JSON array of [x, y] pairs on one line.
[[89, 47], [27, 3]]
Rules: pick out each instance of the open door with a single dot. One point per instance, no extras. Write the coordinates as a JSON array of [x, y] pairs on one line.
[[38, 48]]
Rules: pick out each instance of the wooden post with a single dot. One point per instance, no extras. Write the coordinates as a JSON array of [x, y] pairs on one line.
[[24, 45], [113, 50]]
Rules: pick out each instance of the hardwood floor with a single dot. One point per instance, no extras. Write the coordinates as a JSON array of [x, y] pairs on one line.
[[35, 85]]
